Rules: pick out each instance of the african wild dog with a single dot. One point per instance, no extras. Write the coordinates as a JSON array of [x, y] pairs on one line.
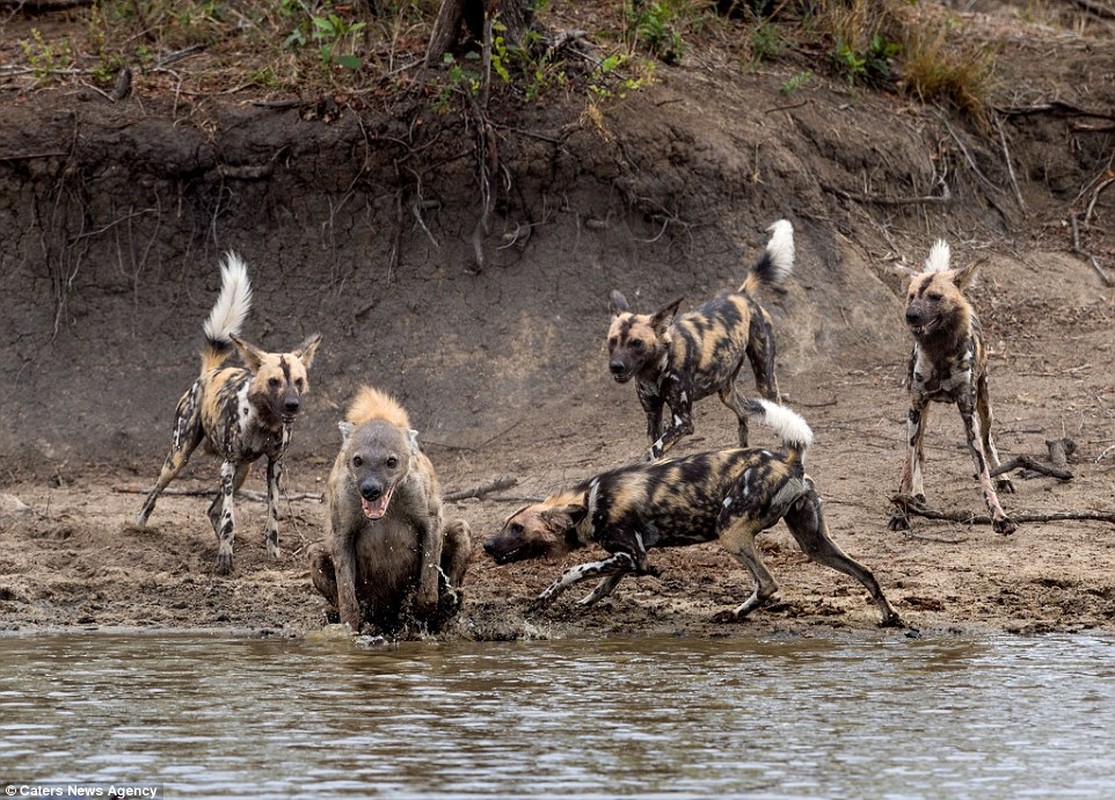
[[677, 361], [730, 495], [242, 413], [389, 546], [948, 364]]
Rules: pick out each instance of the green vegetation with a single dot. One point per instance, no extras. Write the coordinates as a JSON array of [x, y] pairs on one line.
[[313, 47]]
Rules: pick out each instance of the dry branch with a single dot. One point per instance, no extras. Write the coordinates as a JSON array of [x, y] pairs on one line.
[[1025, 462], [246, 494], [499, 484], [944, 197], [908, 508]]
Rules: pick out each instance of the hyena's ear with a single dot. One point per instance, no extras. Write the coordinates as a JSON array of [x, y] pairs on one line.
[[251, 354], [619, 303], [562, 518], [963, 278], [661, 320], [412, 440], [305, 351], [346, 429]]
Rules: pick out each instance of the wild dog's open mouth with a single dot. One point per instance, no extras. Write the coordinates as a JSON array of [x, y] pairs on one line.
[[622, 377], [921, 330], [374, 509]]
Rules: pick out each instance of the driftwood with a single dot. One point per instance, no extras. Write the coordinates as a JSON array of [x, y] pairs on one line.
[[246, 494], [497, 485]]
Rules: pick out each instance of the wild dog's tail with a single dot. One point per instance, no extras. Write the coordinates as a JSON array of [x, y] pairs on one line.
[[794, 431], [777, 261], [228, 312], [372, 404], [938, 260]]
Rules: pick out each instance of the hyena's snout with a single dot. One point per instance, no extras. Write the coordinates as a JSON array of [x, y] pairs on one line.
[[375, 496]]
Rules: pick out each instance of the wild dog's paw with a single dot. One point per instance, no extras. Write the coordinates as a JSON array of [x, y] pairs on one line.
[[1004, 485], [899, 522], [1004, 525], [224, 563]]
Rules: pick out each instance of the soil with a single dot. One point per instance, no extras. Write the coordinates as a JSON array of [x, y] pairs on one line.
[[357, 220]]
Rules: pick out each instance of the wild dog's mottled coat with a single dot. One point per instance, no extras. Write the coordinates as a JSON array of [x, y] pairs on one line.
[[678, 360], [241, 413], [389, 545], [948, 364], [730, 495]]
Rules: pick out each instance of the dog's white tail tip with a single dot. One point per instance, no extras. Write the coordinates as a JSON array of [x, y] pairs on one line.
[[790, 426], [235, 300], [781, 246], [939, 257]]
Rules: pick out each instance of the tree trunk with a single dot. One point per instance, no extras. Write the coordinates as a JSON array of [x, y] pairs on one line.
[[515, 15]]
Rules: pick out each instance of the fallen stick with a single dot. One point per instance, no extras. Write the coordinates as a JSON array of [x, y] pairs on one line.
[[499, 484], [246, 494], [905, 506], [1025, 462]]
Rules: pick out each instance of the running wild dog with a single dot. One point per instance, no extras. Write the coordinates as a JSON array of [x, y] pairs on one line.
[[241, 413], [730, 495], [391, 557], [948, 364], [678, 360]]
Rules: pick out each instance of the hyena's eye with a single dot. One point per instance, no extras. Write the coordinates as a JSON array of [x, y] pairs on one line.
[[392, 462], [273, 383], [357, 461]]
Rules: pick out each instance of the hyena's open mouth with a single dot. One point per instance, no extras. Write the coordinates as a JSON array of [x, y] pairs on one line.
[[374, 509]]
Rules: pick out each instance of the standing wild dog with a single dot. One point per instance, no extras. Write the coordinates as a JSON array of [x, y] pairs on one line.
[[390, 555], [730, 495], [677, 361], [242, 413], [948, 364]]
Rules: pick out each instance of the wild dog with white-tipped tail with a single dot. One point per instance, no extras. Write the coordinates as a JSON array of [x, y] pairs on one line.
[[678, 360], [241, 413], [728, 495], [948, 364]]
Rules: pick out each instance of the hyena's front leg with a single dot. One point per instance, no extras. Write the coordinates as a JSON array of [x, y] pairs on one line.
[[222, 513], [911, 488], [274, 473], [1000, 522]]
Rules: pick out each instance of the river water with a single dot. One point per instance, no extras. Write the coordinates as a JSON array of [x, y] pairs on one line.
[[870, 717]]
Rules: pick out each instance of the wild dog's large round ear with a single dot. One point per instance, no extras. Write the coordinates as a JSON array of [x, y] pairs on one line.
[[562, 518], [306, 350], [346, 429], [251, 354], [412, 440], [963, 278], [618, 303], [665, 316]]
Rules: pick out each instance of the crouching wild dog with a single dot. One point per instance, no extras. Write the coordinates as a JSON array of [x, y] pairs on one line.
[[730, 495], [948, 364], [242, 413], [390, 558], [677, 361]]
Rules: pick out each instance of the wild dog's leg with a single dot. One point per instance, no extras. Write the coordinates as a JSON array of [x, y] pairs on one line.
[[731, 396], [912, 486], [652, 403], [986, 419], [274, 473], [619, 564], [681, 423], [737, 536], [222, 512], [602, 590], [1000, 522], [761, 353], [806, 522], [188, 434]]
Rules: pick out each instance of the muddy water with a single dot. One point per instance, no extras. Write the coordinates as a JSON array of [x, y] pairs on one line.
[[881, 717]]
